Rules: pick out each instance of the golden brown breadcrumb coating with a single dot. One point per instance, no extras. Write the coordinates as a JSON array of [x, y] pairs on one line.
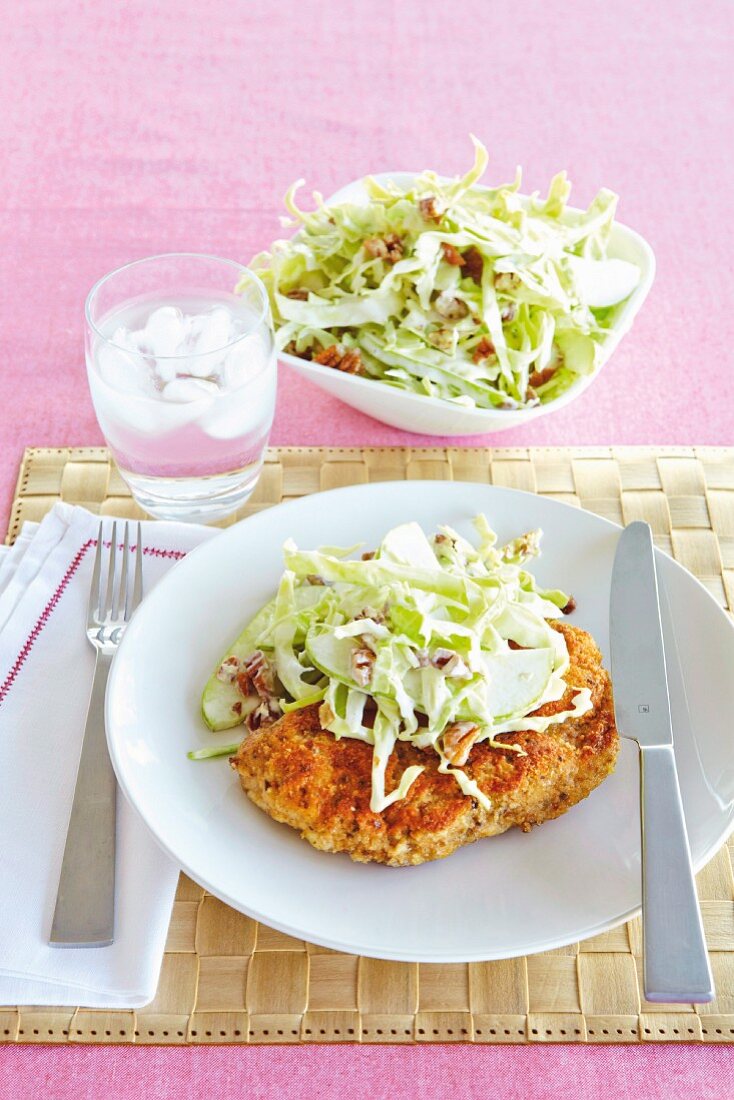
[[303, 776]]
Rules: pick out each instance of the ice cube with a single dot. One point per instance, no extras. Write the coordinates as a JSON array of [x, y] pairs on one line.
[[211, 331], [207, 334], [245, 360], [246, 411], [164, 333], [187, 390], [121, 370], [123, 338]]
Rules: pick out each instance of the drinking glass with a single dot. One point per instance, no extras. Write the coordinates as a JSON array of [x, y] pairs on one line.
[[182, 371]]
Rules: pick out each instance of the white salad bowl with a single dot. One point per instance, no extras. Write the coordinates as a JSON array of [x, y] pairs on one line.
[[414, 412]]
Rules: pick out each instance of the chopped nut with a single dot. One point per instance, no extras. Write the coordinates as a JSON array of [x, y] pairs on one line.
[[570, 606], [525, 546], [227, 671], [540, 377], [330, 357], [484, 350], [368, 555], [452, 255], [260, 672], [315, 579], [375, 247], [458, 739], [362, 661], [505, 281], [373, 614], [441, 538], [429, 208], [244, 683], [473, 264], [451, 664], [388, 248], [263, 715], [442, 338], [352, 362], [508, 313], [292, 349], [298, 295], [348, 360], [452, 309]]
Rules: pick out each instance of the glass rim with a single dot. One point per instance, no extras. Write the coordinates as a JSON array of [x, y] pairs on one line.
[[242, 268]]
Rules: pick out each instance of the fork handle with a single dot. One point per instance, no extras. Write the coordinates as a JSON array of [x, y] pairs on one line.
[[676, 964], [85, 903]]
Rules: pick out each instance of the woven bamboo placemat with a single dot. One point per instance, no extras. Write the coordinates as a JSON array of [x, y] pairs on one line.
[[227, 979]]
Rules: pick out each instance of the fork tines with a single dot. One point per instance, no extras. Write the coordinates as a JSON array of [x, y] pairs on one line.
[[115, 593]]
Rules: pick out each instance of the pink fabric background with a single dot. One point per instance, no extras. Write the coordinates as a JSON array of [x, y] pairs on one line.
[[128, 129]]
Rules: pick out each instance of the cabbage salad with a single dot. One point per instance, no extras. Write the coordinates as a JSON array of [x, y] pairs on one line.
[[439, 641], [477, 295]]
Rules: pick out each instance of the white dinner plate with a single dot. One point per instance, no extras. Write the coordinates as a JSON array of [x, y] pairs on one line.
[[509, 895]]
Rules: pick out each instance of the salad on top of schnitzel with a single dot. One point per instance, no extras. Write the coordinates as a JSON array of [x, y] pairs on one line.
[[439, 642]]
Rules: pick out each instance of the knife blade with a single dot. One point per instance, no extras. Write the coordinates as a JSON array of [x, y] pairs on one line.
[[676, 965]]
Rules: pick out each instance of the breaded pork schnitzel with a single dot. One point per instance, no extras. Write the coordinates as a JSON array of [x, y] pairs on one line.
[[303, 776]]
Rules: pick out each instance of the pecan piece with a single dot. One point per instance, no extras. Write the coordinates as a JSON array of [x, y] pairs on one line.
[[228, 670], [540, 377], [267, 712], [298, 295], [352, 362], [451, 664], [244, 683], [442, 338], [388, 248], [260, 672], [505, 281], [348, 360], [458, 739], [452, 255], [292, 349], [570, 606], [484, 350], [362, 661], [450, 308], [430, 209], [473, 264], [318, 581]]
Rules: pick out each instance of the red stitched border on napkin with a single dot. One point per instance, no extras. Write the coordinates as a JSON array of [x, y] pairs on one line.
[[52, 603]]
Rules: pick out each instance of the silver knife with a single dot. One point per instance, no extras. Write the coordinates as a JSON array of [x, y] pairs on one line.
[[676, 964]]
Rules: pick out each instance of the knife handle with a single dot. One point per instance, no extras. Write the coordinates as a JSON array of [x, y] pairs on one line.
[[676, 963]]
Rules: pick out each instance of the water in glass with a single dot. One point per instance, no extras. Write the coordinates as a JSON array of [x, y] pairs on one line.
[[184, 390]]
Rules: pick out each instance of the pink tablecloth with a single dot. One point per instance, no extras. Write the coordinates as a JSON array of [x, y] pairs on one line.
[[128, 129]]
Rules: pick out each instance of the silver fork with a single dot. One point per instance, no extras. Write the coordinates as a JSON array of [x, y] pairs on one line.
[[85, 903]]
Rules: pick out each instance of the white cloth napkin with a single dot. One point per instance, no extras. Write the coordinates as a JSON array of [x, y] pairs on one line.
[[46, 667]]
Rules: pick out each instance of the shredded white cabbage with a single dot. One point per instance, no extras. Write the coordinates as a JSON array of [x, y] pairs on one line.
[[448, 289], [441, 642]]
